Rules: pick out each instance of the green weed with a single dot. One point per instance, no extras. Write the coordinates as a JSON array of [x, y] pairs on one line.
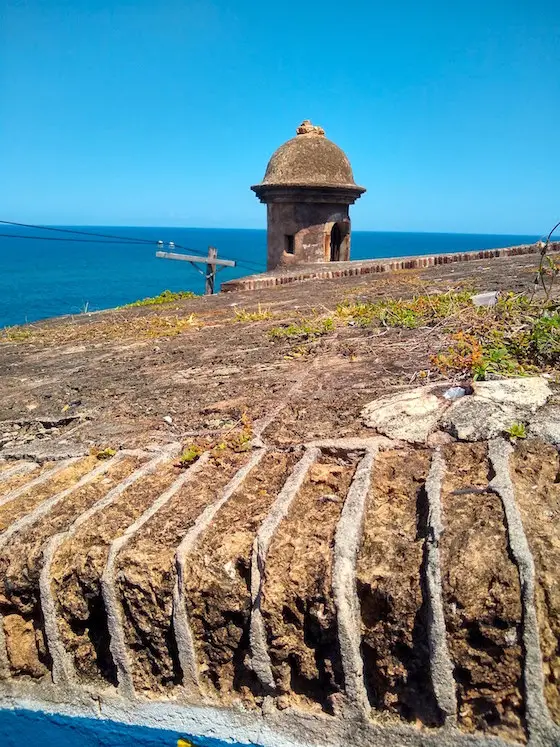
[[15, 334], [191, 453], [304, 331], [420, 311], [106, 453], [166, 297], [242, 440], [514, 338], [242, 315], [516, 430]]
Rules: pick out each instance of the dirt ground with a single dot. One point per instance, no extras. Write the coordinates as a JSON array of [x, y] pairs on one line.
[[109, 378], [206, 378]]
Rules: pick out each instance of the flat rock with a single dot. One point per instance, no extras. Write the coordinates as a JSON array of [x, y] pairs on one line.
[[529, 392], [476, 419], [546, 424], [408, 416]]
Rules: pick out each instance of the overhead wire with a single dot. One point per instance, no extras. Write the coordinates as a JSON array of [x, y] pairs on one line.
[[114, 239], [76, 231], [60, 238]]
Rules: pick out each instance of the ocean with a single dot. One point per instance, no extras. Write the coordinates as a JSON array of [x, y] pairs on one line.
[[45, 277], [20, 727]]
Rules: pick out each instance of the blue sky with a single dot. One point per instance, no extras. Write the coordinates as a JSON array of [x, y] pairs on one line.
[[163, 112]]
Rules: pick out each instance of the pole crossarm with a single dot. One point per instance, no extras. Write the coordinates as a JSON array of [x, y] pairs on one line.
[[193, 258]]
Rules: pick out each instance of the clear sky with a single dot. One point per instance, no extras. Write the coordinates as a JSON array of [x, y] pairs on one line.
[[164, 112]]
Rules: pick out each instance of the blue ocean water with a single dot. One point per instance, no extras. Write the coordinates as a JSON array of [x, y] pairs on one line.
[[21, 727], [44, 278]]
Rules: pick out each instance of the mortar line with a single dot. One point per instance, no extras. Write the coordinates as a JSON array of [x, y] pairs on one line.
[[113, 607], [352, 442], [62, 666], [441, 664], [45, 506], [539, 722], [5, 672], [18, 469], [346, 545], [39, 480], [26, 521], [181, 625], [260, 658], [140, 452]]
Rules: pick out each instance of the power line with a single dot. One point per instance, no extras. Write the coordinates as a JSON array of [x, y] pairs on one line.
[[75, 231], [60, 238], [123, 240], [247, 263]]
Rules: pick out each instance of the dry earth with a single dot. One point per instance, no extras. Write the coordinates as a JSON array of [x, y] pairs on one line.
[[217, 579]]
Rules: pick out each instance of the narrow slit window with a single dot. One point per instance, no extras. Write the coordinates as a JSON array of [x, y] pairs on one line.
[[289, 243]]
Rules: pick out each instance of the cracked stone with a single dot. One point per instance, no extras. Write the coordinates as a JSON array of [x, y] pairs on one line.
[[546, 424], [476, 419], [530, 392], [407, 416]]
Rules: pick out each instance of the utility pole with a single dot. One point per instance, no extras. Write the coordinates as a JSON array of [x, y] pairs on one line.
[[210, 271], [211, 261]]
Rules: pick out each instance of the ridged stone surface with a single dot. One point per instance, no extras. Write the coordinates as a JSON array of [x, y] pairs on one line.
[[67, 623]]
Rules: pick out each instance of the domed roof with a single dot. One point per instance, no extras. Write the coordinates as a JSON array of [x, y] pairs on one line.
[[309, 160]]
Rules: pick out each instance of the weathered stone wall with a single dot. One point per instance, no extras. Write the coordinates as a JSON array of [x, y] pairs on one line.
[[311, 224], [334, 589], [284, 275]]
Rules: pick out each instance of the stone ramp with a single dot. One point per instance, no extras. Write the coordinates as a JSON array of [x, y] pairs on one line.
[[401, 592]]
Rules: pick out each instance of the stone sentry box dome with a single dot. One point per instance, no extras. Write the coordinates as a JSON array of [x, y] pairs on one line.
[[308, 187]]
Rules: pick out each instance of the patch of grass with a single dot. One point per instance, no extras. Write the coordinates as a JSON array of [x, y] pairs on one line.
[[166, 296], [103, 328], [238, 438], [542, 339], [420, 311], [298, 351], [164, 326], [304, 331], [516, 430], [15, 334], [190, 455], [513, 338], [243, 315], [362, 314], [103, 454]]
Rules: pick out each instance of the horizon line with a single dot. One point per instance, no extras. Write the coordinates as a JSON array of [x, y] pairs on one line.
[[238, 228]]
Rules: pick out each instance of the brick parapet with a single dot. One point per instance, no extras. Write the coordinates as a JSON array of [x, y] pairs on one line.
[[328, 270]]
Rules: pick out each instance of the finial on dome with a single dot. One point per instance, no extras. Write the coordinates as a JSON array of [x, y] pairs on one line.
[[306, 128]]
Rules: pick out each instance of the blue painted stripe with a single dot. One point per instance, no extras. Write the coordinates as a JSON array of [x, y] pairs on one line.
[[21, 728]]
